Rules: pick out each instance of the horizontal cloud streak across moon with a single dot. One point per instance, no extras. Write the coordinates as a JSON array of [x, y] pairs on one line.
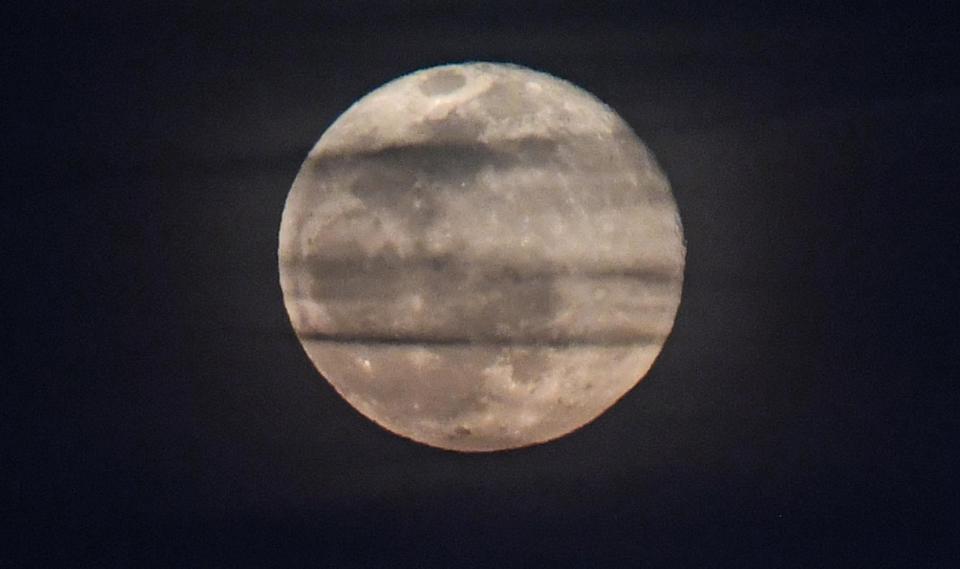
[[488, 340]]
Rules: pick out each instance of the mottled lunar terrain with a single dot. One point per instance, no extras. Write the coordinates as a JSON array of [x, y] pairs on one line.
[[481, 257]]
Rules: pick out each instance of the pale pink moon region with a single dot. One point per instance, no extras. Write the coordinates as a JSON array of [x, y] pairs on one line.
[[481, 257]]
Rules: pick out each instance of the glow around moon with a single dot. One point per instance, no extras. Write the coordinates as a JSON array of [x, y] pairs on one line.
[[481, 257]]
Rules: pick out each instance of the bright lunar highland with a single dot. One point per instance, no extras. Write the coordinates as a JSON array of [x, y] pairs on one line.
[[481, 257]]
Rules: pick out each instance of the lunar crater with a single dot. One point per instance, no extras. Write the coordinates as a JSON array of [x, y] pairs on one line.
[[443, 82]]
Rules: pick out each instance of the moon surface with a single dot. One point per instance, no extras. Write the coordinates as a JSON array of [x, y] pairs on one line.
[[481, 257]]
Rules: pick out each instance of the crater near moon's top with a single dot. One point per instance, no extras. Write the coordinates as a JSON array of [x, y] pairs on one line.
[[443, 82]]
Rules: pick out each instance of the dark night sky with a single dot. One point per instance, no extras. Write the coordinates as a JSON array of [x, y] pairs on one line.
[[161, 411]]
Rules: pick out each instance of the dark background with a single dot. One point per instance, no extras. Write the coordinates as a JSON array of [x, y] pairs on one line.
[[161, 411]]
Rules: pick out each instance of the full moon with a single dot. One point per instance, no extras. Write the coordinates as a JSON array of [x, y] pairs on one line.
[[481, 257]]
